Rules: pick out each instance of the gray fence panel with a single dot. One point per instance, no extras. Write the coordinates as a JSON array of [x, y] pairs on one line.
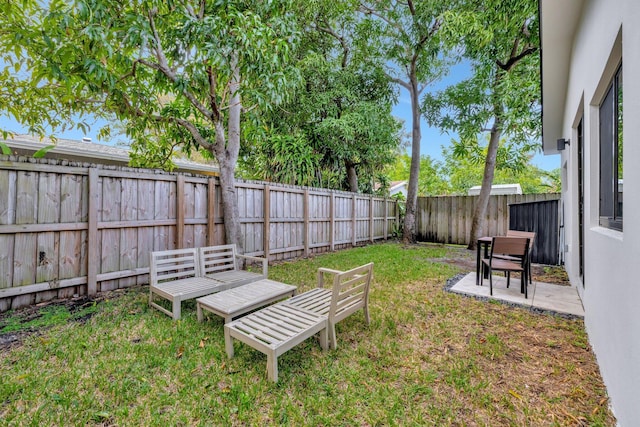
[[541, 218]]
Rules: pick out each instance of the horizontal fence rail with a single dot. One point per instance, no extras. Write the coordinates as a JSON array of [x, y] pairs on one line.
[[447, 219], [69, 228]]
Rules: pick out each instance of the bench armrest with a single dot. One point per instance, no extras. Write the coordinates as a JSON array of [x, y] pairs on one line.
[[321, 272], [265, 263]]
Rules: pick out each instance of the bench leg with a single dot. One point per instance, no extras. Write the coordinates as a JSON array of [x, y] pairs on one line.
[[366, 314], [228, 343], [176, 309], [272, 366], [199, 312], [333, 342], [324, 338]]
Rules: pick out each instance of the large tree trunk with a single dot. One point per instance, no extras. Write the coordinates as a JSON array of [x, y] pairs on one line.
[[227, 155], [409, 229], [477, 223], [352, 176]]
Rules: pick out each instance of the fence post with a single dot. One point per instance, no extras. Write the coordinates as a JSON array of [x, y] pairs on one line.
[[332, 221], [385, 226], [93, 254], [354, 222], [211, 212], [180, 212], [371, 218], [267, 220], [306, 221]]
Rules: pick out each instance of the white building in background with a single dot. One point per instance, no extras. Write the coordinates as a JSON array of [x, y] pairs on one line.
[[590, 53], [497, 189], [87, 151], [398, 187]]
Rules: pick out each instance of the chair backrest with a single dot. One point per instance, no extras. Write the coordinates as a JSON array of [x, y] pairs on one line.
[[350, 292], [531, 235], [173, 265], [215, 259], [513, 246]]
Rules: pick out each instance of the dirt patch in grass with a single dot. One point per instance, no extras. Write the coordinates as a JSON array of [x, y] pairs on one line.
[[17, 325]]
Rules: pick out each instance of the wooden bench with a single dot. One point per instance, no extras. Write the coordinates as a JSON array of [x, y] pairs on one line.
[[280, 327], [175, 275], [182, 274], [274, 330], [221, 263], [349, 293], [243, 299]]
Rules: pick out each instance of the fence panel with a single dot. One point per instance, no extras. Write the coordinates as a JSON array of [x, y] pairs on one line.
[[542, 218], [447, 219], [77, 228]]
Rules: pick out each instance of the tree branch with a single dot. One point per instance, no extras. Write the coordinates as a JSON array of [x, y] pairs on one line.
[[193, 130], [343, 43], [401, 82], [163, 67], [528, 50], [370, 11], [213, 82], [412, 8]]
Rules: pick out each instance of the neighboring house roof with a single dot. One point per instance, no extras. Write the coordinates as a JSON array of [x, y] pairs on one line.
[[394, 187], [497, 189], [397, 185], [558, 22], [81, 151]]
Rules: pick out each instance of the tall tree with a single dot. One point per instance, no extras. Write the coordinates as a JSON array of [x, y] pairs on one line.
[[502, 96], [406, 35], [178, 72], [341, 116]]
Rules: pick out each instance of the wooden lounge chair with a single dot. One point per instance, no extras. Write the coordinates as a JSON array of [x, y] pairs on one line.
[[349, 293], [280, 327]]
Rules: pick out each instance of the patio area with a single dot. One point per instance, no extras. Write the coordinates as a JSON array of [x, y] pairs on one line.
[[542, 296]]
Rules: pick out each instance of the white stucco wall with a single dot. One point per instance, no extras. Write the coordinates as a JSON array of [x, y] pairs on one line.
[[611, 292]]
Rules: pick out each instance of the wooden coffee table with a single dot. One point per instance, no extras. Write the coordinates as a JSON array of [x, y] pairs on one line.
[[242, 299]]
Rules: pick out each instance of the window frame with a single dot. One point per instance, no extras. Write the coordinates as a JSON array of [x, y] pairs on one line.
[[610, 209]]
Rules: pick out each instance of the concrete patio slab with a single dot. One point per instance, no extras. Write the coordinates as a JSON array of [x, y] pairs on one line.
[[542, 296]]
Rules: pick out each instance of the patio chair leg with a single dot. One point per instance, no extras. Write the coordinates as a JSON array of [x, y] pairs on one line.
[[490, 282], [508, 278]]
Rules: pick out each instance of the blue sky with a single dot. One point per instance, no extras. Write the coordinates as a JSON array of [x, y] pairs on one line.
[[433, 139]]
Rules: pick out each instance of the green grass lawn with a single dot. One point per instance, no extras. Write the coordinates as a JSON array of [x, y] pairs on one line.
[[429, 357]]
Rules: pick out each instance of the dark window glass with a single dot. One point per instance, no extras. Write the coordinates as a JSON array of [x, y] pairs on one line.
[[611, 177]]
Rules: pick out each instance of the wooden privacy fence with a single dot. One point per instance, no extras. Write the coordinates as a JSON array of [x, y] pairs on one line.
[[447, 219], [69, 228]]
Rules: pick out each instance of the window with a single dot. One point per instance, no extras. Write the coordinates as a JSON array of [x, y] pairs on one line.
[[611, 178]]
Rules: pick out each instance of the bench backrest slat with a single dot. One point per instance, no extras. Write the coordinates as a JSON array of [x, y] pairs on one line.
[[172, 265], [350, 292], [215, 259]]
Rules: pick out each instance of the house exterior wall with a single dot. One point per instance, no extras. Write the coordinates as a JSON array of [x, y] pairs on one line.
[[608, 30]]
